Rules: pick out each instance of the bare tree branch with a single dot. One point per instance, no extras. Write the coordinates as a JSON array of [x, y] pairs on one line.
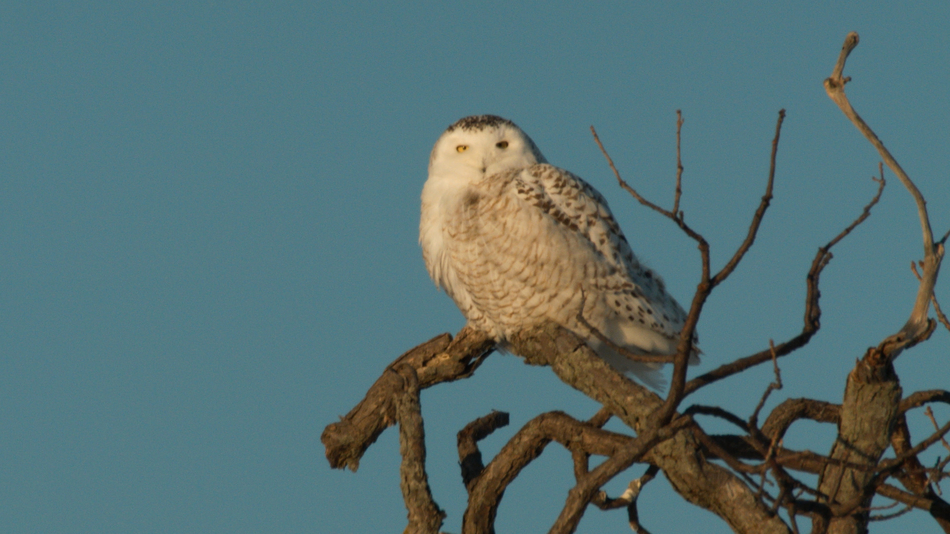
[[487, 488], [889, 465], [582, 494], [912, 476], [632, 493], [440, 359], [685, 346], [470, 458], [938, 508], [716, 411], [759, 212], [791, 410], [697, 480], [933, 297], [930, 414], [759, 475], [920, 398], [834, 86], [754, 418], [939, 312], [707, 283], [679, 166], [425, 516], [919, 325], [812, 311]]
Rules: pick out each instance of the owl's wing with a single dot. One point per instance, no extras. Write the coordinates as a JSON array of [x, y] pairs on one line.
[[634, 291]]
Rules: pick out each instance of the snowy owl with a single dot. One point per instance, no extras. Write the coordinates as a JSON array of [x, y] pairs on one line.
[[516, 242]]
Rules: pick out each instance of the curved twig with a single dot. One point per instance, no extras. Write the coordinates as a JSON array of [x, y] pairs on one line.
[[812, 310], [918, 399], [919, 326]]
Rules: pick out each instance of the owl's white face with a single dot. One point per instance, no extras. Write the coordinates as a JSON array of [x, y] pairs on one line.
[[481, 146]]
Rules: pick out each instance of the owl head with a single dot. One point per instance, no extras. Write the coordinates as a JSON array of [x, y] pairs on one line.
[[482, 145]]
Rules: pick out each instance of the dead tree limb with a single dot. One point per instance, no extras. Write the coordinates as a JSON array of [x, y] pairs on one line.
[[913, 476], [440, 359], [747, 495], [868, 415], [425, 516], [812, 322], [470, 457], [697, 480], [919, 326], [870, 409], [487, 487], [707, 282]]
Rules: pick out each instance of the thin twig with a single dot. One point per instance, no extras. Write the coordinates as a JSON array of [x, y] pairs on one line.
[[885, 517], [679, 166], [624, 184], [759, 212], [812, 310], [939, 312], [865, 213], [754, 418], [917, 449], [930, 414], [685, 346], [707, 284]]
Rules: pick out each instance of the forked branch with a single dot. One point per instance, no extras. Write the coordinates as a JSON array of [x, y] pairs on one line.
[[440, 359], [707, 281], [812, 311], [919, 326]]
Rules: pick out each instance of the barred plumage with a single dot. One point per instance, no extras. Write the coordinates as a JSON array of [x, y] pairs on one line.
[[515, 241]]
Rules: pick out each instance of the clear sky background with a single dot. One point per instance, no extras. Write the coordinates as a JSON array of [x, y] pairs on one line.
[[208, 234]]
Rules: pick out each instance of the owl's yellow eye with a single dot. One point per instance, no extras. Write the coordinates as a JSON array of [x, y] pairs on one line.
[[502, 144], [461, 148]]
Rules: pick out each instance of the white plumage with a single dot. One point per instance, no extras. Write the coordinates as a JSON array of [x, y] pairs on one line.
[[515, 242]]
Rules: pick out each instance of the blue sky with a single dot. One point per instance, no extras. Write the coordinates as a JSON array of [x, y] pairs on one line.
[[209, 213]]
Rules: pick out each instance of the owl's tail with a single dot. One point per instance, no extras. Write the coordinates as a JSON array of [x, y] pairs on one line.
[[639, 341]]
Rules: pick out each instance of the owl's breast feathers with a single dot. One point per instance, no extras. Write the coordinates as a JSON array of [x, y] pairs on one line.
[[531, 244], [517, 242]]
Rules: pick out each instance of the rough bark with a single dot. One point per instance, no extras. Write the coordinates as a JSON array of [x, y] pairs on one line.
[[440, 359], [424, 515], [868, 414], [680, 458]]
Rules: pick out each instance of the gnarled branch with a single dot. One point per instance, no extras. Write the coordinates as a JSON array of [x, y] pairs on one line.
[[440, 359]]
